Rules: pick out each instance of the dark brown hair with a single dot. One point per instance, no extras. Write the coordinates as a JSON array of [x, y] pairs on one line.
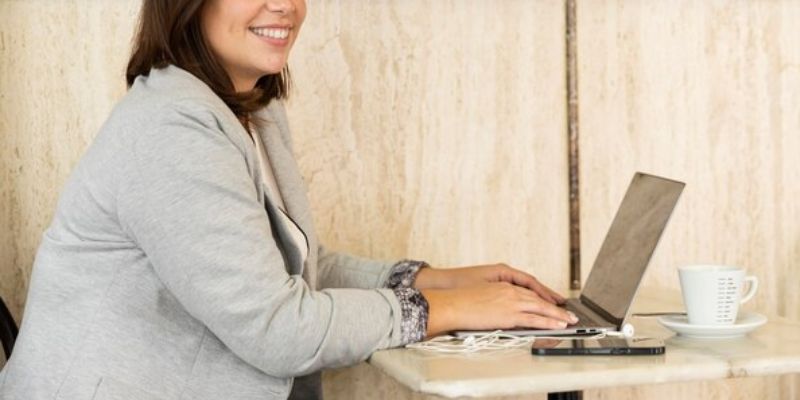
[[170, 33]]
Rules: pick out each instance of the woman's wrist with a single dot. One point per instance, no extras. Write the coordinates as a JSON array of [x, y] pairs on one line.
[[440, 315], [423, 278], [431, 278]]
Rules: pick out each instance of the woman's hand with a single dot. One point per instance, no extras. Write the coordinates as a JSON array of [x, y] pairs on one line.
[[498, 305], [451, 278]]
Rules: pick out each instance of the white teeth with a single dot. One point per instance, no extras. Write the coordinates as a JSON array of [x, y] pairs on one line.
[[275, 33]]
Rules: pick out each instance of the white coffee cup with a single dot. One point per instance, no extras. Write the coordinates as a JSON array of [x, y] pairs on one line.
[[712, 293]]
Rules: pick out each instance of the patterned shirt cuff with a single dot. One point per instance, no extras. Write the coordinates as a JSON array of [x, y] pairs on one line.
[[403, 274], [414, 319]]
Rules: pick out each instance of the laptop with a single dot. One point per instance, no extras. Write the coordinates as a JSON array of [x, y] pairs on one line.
[[620, 265]]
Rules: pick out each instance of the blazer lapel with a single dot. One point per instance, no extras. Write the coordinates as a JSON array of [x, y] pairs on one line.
[[275, 136], [284, 231]]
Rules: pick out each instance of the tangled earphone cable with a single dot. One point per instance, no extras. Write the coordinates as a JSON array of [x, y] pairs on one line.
[[496, 340], [499, 340]]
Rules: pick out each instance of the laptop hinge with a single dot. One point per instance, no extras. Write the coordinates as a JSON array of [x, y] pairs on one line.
[[601, 312]]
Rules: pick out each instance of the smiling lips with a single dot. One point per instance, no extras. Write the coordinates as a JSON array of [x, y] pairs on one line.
[[273, 35]]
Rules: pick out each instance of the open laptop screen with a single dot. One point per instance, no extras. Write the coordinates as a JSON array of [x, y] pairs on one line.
[[629, 244]]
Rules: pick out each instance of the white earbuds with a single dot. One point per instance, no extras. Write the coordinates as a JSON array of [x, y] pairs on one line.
[[626, 332], [499, 340], [496, 340]]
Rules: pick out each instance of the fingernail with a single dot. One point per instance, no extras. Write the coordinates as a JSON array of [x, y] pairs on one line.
[[572, 317], [562, 324]]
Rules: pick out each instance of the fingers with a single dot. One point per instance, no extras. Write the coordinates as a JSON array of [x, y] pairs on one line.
[[541, 288], [539, 322], [546, 293], [533, 304], [557, 298], [499, 305], [524, 279]]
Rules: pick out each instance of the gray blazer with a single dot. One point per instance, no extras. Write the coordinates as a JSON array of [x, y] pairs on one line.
[[167, 272]]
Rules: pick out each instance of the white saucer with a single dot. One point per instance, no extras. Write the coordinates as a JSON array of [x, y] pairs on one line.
[[747, 322]]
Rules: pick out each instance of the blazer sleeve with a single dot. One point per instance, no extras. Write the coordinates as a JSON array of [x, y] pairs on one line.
[[339, 270], [189, 203]]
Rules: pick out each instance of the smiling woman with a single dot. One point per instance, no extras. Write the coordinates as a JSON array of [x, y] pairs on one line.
[[182, 261], [250, 40], [229, 45]]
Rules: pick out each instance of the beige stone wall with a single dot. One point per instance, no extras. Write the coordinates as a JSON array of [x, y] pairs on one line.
[[436, 130], [707, 93], [62, 69]]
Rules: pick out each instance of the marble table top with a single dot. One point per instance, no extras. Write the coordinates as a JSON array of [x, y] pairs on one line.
[[771, 349]]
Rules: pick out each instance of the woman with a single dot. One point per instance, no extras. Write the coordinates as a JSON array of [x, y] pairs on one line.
[[182, 262]]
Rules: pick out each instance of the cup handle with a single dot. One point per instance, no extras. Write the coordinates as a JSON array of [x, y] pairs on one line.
[[751, 291]]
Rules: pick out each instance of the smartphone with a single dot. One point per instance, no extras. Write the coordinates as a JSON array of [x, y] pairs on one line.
[[605, 346]]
